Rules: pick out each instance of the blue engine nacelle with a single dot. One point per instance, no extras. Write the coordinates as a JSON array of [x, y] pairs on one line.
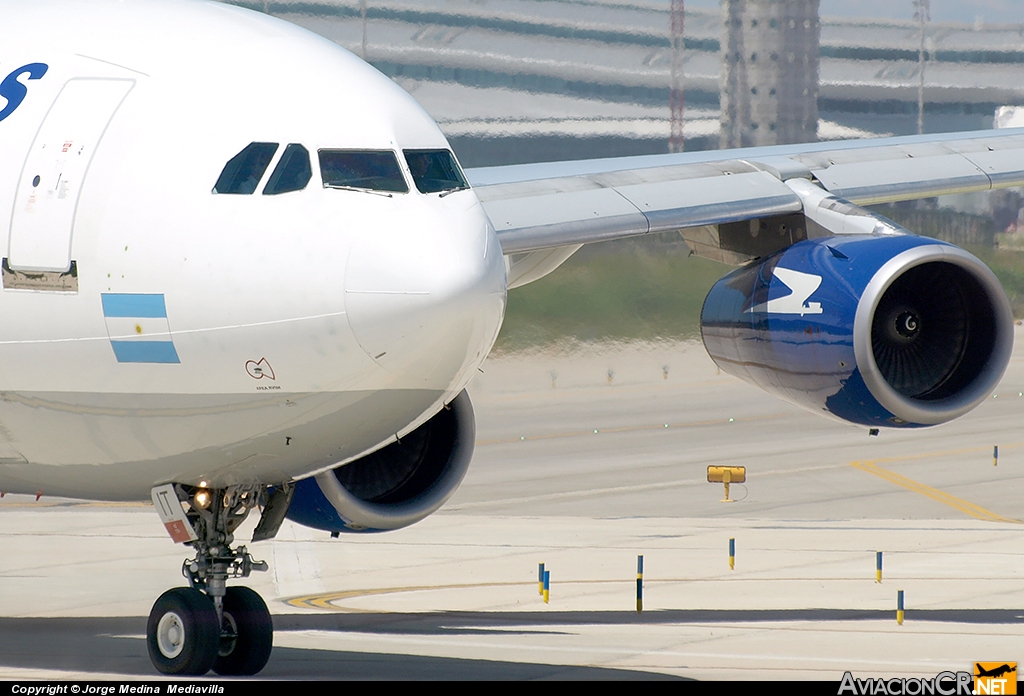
[[880, 330], [396, 486]]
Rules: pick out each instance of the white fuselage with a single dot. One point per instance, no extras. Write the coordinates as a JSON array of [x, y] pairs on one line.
[[309, 327]]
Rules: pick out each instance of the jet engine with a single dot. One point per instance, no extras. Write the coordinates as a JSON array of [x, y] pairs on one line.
[[396, 486], [883, 329]]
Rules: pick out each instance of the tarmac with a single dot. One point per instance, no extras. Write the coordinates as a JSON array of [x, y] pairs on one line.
[[587, 457]]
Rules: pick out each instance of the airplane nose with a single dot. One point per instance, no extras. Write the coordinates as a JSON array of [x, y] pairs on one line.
[[425, 299]]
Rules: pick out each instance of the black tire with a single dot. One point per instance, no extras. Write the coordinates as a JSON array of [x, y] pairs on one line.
[[182, 633], [248, 634]]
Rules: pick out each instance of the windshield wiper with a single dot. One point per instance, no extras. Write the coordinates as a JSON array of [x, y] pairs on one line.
[[342, 187], [454, 190]]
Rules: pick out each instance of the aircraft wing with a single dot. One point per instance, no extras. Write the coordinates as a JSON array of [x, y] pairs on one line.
[[553, 208], [845, 313]]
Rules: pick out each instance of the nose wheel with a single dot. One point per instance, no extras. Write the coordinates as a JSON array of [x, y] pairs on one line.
[[208, 625], [247, 634], [182, 632], [184, 639]]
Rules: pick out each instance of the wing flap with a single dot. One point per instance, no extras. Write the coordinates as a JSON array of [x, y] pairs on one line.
[[1004, 168], [670, 205], [872, 182], [545, 221], [593, 209], [543, 206]]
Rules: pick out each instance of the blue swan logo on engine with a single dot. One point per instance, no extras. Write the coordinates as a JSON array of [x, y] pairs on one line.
[[801, 286]]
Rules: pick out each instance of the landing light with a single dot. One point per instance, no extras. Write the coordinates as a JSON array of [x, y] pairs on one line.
[[202, 498]]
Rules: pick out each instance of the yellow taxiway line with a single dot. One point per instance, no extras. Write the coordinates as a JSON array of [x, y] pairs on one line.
[[935, 494]]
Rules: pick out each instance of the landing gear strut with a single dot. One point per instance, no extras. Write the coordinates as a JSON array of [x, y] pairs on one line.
[[209, 625]]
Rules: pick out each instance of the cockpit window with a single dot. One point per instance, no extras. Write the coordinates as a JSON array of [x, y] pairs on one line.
[[243, 172], [292, 173], [372, 170], [435, 170]]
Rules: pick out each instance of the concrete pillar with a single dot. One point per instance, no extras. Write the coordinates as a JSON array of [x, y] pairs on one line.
[[769, 77]]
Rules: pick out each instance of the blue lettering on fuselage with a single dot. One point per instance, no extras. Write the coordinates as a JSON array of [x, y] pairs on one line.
[[13, 91]]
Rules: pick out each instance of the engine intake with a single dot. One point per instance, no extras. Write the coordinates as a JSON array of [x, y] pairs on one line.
[[396, 486], [932, 332]]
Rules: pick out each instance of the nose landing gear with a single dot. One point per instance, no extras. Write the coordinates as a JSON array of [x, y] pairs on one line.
[[208, 625]]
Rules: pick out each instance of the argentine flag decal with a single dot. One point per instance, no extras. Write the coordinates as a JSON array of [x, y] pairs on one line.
[[138, 329]]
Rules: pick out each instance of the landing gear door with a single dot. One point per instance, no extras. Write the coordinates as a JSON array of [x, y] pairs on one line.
[[51, 181]]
